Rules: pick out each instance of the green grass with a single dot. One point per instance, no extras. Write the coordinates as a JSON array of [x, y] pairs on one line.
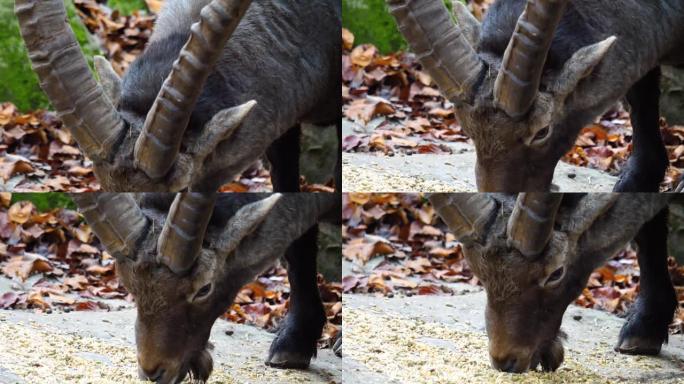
[[45, 201], [371, 22], [18, 83], [127, 7]]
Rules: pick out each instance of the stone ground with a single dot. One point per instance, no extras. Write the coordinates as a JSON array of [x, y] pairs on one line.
[[441, 339], [372, 172], [99, 347]]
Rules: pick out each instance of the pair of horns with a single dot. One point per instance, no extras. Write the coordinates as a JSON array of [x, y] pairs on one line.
[[120, 224], [84, 107], [529, 227], [443, 49]]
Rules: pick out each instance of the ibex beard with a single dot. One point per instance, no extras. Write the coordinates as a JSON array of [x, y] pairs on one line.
[[534, 255]]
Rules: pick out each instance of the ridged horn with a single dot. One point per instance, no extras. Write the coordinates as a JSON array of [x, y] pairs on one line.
[[439, 44], [158, 145], [531, 223], [115, 218], [66, 78], [518, 80], [181, 238], [466, 214]]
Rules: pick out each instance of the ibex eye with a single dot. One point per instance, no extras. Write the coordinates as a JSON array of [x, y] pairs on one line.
[[542, 134], [556, 276], [203, 292]]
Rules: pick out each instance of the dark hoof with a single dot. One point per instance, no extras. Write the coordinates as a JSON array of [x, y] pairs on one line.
[[646, 329], [639, 346], [294, 345], [633, 179], [288, 360], [629, 183]]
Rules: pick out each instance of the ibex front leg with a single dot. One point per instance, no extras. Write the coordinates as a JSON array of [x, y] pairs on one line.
[[295, 344], [646, 327], [646, 167], [283, 155]]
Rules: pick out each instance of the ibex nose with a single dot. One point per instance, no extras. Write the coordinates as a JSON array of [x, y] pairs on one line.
[[152, 374], [506, 364]]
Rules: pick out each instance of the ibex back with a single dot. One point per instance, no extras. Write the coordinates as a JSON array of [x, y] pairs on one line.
[[204, 100], [535, 72]]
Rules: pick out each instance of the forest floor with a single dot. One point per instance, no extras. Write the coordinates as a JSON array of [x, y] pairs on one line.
[[442, 339], [453, 172]]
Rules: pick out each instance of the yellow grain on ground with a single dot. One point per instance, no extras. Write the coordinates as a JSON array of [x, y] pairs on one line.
[[414, 351], [40, 354]]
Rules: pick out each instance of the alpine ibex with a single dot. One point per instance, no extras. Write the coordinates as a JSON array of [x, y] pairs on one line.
[[526, 80], [185, 268], [534, 255], [220, 83]]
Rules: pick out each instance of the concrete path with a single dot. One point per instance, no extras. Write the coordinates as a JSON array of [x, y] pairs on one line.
[[98, 347], [441, 339], [371, 172]]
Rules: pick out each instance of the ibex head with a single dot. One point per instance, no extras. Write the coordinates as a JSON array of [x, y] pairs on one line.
[[517, 115], [534, 255], [133, 148], [185, 268]]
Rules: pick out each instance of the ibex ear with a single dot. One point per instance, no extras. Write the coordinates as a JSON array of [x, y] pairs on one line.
[[580, 65], [109, 79], [244, 222]]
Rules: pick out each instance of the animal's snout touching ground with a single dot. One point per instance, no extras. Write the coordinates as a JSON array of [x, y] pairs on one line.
[[197, 367]]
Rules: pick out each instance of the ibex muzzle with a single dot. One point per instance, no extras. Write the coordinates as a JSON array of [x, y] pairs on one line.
[[185, 268], [185, 115], [534, 255], [535, 72]]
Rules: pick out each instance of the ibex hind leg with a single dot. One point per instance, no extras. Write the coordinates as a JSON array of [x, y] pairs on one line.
[[295, 342], [647, 323], [283, 154], [647, 165]]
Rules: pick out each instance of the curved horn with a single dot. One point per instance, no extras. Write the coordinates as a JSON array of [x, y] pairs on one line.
[[465, 214], [532, 220], [159, 142], [518, 80], [66, 78], [115, 218], [183, 233], [439, 44]]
